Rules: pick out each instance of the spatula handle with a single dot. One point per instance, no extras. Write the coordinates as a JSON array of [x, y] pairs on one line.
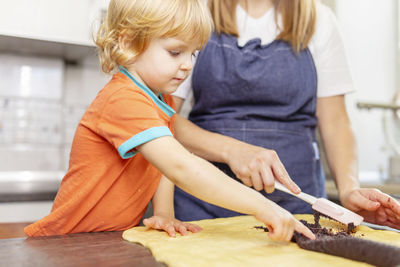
[[303, 196]]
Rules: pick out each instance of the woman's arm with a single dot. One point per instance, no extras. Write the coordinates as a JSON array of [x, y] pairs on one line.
[[339, 142], [340, 147], [203, 180]]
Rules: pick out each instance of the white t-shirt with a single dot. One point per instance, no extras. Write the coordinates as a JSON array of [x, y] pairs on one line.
[[326, 47]]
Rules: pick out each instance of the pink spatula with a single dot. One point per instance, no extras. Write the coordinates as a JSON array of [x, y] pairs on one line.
[[326, 207]]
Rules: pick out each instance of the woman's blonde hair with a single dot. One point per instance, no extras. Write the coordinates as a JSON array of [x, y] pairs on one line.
[[298, 19], [130, 25]]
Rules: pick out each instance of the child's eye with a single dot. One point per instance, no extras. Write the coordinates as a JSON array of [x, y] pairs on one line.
[[174, 53]]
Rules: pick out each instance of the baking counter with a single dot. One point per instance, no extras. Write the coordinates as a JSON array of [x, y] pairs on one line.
[[87, 249]]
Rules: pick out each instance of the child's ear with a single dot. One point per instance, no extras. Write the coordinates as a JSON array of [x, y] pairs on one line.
[[125, 45], [123, 42]]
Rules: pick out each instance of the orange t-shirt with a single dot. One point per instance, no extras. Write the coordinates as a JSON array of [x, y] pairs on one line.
[[108, 186]]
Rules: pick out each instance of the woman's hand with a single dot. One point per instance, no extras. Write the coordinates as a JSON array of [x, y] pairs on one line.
[[254, 166], [281, 224], [259, 167], [170, 225], [375, 206]]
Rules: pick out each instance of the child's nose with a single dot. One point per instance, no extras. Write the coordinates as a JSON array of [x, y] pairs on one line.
[[187, 64]]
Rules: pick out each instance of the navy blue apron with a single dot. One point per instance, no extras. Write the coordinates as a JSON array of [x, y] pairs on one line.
[[264, 95]]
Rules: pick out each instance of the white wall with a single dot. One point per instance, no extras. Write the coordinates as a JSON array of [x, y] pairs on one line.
[[369, 32]]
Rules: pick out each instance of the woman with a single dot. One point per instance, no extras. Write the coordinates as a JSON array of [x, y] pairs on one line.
[[271, 73]]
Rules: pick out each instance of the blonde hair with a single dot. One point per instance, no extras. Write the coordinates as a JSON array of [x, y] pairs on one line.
[[137, 22], [298, 20]]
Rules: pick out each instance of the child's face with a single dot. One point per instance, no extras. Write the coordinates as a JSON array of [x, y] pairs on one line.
[[164, 65]]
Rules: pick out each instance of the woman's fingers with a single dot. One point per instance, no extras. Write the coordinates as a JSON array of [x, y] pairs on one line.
[[382, 217], [246, 181], [376, 206], [260, 167], [271, 169], [390, 203], [390, 213], [268, 180], [256, 180], [282, 176]]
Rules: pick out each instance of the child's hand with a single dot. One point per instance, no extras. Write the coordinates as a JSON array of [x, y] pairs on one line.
[[171, 225], [281, 224]]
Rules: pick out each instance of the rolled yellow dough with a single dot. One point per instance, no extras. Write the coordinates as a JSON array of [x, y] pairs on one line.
[[235, 242]]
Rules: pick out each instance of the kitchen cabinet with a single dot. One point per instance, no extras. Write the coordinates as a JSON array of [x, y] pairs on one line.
[[69, 21], [46, 27]]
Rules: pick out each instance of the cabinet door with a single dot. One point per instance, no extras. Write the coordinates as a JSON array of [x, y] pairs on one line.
[[68, 21]]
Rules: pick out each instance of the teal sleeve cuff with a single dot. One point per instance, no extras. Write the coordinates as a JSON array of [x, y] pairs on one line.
[[125, 150]]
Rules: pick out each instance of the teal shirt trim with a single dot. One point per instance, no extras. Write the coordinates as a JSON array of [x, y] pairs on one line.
[[160, 103], [125, 150]]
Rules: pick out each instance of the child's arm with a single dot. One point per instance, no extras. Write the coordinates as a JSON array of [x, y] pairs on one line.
[[203, 180], [163, 199], [163, 210], [253, 165]]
